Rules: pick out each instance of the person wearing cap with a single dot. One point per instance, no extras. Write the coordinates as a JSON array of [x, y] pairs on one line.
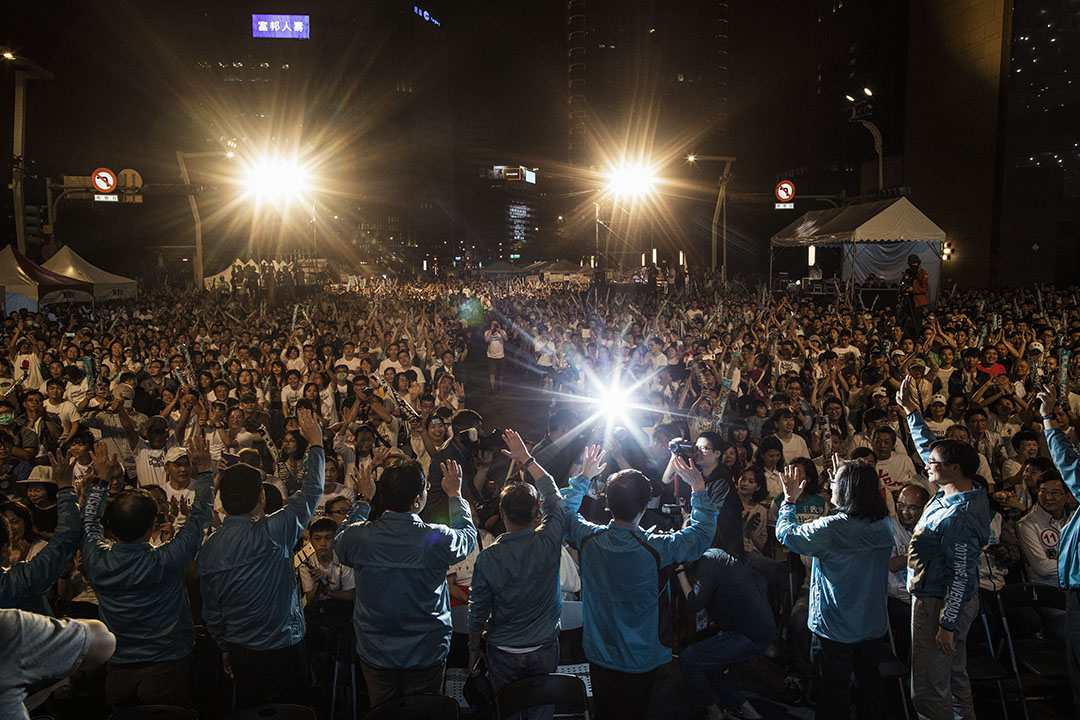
[[250, 602], [23, 585], [916, 282], [935, 416], [178, 486], [41, 494], [141, 591], [921, 388], [103, 413], [149, 453]]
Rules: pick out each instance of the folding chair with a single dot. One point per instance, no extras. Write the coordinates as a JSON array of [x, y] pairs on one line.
[[1042, 657], [416, 707], [553, 689], [983, 666], [892, 667]]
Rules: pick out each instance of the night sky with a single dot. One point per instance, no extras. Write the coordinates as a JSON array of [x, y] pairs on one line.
[[112, 101]]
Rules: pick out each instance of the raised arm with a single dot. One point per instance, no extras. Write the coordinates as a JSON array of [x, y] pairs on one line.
[[287, 525]]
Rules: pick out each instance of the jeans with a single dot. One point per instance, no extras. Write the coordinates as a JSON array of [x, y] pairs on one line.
[[505, 667], [383, 685], [844, 669], [621, 695], [703, 666], [940, 688]]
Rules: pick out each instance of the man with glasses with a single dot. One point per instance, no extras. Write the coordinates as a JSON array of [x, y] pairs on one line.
[[718, 483], [943, 570], [909, 509], [1040, 530]]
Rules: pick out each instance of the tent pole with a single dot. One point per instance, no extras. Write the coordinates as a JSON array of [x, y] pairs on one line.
[[771, 249]]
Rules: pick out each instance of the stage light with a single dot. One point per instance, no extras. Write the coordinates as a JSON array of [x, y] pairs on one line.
[[276, 179]]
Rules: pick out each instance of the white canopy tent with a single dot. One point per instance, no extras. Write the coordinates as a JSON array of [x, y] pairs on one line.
[[880, 234], [28, 286], [107, 286]]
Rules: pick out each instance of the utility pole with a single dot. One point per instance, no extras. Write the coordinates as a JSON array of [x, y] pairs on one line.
[[24, 70]]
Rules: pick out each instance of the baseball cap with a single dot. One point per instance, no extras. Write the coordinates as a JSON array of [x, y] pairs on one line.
[[880, 392], [156, 423], [918, 362], [124, 391], [939, 399], [1035, 347], [899, 352], [175, 453]]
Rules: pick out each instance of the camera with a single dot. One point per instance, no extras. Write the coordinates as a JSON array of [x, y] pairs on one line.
[[490, 443], [682, 448]]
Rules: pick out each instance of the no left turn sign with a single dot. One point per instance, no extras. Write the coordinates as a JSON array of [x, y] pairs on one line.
[[104, 180], [785, 190]]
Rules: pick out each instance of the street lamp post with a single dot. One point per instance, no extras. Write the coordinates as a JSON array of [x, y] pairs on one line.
[[721, 206], [24, 70], [197, 266], [860, 109]]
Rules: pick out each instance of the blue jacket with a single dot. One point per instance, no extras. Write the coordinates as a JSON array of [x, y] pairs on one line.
[[249, 588], [1068, 463], [849, 579], [141, 593], [402, 609], [947, 543], [22, 586], [619, 581], [515, 591]]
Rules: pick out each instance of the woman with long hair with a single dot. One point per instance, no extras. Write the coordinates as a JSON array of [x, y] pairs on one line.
[[25, 541], [770, 457], [752, 492], [739, 437], [848, 585], [290, 468]]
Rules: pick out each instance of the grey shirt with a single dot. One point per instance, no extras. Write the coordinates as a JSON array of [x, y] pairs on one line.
[[36, 649]]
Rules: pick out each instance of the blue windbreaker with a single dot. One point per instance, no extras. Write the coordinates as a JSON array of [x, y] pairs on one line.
[[1067, 461]]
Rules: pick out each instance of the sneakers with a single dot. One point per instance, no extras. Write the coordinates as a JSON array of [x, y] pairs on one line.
[[792, 694]]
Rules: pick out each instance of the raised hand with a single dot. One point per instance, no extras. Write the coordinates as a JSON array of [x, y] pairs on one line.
[[688, 472], [309, 427], [199, 453], [451, 478], [1047, 399], [103, 462], [592, 461], [903, 395], [794, 480], [515, 447], [61, 469], [363, 482]]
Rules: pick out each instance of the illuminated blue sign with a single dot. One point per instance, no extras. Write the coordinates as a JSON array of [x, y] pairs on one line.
[[280, 26], [426, 15]]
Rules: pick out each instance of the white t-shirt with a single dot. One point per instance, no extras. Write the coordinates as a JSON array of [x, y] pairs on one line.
[[290, 397], [794, 447], [150, 463], [494, 341], [66, 411], [332, 492], [896, 471]]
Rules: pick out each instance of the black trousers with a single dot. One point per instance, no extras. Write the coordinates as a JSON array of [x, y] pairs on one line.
[[270, 676], [845, 669], [154, 683], [621, 695]]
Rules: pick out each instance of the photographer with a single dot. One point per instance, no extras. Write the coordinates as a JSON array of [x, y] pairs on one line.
[[465, 449], [496, 339], [915, 294]]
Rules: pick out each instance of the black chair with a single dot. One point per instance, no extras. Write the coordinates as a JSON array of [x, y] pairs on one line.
[[554, 689], [891, 667], [274, 712], [1042, 657], [155, 712], [983, 665], [416, 707]]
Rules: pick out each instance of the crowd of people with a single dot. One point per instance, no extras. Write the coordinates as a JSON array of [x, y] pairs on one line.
[[819, 481]]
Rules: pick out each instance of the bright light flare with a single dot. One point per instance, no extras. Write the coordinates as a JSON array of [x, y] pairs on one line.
[[277, 179], [868, 92], [632, 180], [9, 56]]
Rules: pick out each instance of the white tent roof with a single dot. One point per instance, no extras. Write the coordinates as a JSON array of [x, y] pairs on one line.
[[107, 286], [28, 285], [884, 221]]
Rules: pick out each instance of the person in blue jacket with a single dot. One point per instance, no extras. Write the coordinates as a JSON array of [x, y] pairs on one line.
[[620, 566], [849, 582], [250, 602], [23, 585], [141, 593], [1067, 461], [401, 612], [943, 569]]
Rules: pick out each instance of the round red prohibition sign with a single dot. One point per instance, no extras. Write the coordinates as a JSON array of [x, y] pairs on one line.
[[785, 191], [103, 180]]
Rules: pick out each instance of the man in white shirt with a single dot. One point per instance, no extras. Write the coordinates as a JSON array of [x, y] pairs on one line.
[[150, 453], [1040, 530], [794, 445], [895, 469], [909, 509], [322, 576], [55, 404], [349, 359]]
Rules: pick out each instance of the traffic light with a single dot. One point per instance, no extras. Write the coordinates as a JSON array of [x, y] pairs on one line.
[[32, 224]]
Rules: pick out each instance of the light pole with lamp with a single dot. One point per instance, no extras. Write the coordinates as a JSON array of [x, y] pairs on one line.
[[24, 70], [721, 205], [197, 266], [860, 110]]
